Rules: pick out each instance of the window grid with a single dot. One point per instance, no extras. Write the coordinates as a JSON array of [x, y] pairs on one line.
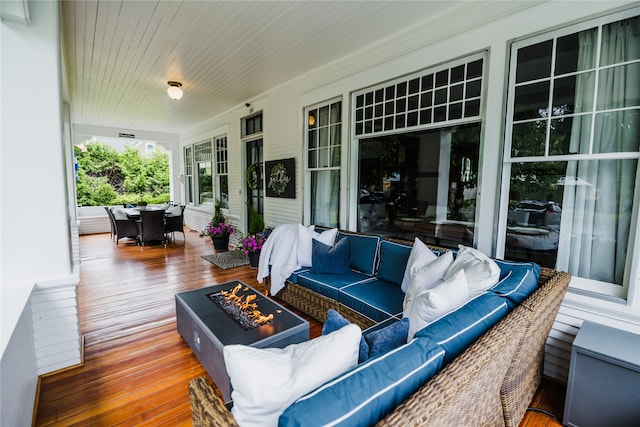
[[188, 172], [324, 136], [422, 100], [202, 151], [222, 162], [560, 113]]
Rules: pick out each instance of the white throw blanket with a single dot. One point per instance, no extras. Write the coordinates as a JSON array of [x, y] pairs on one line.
[[280, 250]]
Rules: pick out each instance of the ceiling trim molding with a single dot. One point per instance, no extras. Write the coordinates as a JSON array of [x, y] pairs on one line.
[[15, 10], [80, 130]]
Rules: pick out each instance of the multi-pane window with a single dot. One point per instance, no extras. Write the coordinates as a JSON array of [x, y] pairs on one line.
[[445, 94], [572, 151], [418, 153], [324, 145], [202, 158], [188, 173], [222, 171]]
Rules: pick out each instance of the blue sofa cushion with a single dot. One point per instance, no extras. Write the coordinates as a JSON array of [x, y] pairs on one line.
[[518, 280], [377, 299], [458, 329], [393, 260], [294, 276], [367, 393], [386, 339], [334, 322], [329, 285], [330, 259], [363, 252]]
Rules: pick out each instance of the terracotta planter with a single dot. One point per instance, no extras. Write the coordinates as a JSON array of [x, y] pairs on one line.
[[254, 259], [220, 242]]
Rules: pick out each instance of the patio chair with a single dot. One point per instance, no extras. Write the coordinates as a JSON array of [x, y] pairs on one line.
[[112, 221], [124, 226], [151, 227], [175, 222]]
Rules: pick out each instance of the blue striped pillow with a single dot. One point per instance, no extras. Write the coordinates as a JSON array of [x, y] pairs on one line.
[[367, 393], [518, 280]]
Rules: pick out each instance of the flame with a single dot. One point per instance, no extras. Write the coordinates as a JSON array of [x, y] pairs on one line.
[[246, 304]]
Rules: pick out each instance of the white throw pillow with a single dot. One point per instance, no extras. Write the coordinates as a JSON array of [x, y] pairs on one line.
[[482, 272], [266, 381], [426, 277], [174, 211], [432, 304], [420, 255], [305, 234]]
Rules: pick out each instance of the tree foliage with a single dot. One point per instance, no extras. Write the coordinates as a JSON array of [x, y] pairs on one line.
[[106, 177]]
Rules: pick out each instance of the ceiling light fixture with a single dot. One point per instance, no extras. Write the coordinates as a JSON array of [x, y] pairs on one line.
[[174, 90]]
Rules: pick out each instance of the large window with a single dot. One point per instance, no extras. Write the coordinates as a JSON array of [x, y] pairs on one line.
[[420, 184], [188, 174], [202, 158], [418, 152], [572, 150], [222, 171], [324, 147]]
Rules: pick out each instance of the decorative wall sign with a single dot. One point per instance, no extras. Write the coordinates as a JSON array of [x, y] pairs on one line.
[[281, 178]]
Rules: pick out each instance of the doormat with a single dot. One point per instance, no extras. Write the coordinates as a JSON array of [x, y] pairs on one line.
[[229, 259]]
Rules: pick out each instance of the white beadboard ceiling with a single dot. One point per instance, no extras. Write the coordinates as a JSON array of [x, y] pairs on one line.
[[120, 54]]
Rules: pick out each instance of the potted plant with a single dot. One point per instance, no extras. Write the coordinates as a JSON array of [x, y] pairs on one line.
[[252, 245], [219, 229]]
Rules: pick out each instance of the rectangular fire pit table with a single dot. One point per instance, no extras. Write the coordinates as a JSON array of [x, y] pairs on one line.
[[207, 328]]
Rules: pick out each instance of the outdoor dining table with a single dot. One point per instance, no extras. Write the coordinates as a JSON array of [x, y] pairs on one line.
[[134, 213]]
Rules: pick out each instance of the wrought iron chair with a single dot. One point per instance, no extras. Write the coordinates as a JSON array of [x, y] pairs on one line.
[[151, 227], [175, 223]]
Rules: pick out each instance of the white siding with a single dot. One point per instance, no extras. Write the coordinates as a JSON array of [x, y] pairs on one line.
[[56, 328], [404, 53]]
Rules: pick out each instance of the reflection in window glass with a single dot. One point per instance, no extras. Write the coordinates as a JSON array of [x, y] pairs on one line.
[[575, 215], [572, 215], [420, 184], [205, 183], [324, 147]]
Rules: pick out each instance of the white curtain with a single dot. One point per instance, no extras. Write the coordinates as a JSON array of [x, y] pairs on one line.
[[325, 198], [596, 209]]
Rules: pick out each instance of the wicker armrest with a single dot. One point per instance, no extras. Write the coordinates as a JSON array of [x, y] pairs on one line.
[[207, 408]]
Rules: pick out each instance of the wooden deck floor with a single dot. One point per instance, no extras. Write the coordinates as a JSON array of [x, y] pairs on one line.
[[137, 366]]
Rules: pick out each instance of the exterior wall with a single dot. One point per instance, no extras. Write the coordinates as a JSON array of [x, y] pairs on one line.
[[442, 39], [36, 243]]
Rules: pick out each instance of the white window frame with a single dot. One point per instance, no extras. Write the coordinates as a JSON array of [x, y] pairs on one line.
[[630, 289], [221, 146], [196, 168], [309, 170]]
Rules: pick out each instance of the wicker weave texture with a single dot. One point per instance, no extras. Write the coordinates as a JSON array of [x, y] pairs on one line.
[[525, 371], [307, 301], [207, 408]]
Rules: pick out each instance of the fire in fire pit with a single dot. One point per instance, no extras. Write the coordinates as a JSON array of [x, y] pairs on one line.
[[242, 308]]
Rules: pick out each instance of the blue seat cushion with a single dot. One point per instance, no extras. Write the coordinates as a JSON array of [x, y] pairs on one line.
[[393, 261], [518, 280], [329, 285], [377, 299], [370, 391], [458, 329], [294, 276], [363, 251]]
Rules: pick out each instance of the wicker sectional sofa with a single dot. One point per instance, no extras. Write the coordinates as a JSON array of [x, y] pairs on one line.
[[488, 378]]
